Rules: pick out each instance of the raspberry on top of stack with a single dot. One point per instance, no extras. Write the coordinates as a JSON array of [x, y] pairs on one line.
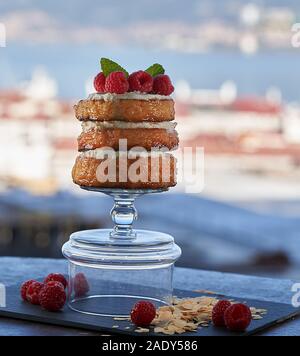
[[131, 115]]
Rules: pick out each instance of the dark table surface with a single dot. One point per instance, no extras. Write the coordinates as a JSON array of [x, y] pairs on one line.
[[18, 269]]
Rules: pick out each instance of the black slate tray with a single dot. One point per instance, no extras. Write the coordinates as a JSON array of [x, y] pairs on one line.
[[17, 309]]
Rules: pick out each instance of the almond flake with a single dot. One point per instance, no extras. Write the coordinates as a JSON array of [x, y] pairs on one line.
[[142, 330]]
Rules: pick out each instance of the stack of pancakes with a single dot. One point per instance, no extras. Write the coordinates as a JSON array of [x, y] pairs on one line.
[[145, 122]]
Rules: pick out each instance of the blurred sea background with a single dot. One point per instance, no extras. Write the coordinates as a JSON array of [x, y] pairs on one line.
[[237, 95], [72, 65]]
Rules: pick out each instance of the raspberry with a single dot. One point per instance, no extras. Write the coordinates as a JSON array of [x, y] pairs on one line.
[[238, 317], [218, 312], [52, 296], [24, 287], [56, 277], [33, 291], [143, 313], [99, 83], [116, 83], [162, 85], [140, 81], [81, 285]]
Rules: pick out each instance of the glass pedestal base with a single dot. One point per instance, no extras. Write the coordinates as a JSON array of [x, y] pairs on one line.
[[110, 270]]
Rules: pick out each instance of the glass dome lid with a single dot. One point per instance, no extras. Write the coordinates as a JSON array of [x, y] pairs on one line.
[[147, 249]]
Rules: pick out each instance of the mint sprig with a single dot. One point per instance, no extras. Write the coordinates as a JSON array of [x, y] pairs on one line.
[[108, 66], [155, 69]]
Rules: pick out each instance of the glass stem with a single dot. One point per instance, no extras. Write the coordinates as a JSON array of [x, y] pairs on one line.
[[123, 215]]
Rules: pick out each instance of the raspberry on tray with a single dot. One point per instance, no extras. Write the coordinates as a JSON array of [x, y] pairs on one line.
[[56, 277], [33, 291], [238, 317], [143, 313], [52, 296], [80, 285], [219, 311], [24, 287]]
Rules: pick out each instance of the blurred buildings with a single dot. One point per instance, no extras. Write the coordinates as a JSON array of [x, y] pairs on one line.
[[242, 136], [37, 136], [252, 144]]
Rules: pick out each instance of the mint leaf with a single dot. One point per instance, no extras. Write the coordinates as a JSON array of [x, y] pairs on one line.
[[155, 69], [108, 66]]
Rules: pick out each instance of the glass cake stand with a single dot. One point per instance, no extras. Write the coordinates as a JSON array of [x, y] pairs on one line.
[[110, 270]]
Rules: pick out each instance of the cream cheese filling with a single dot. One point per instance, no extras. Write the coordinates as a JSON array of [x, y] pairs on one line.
[[104, 125], [132, 95], [104, 153]]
